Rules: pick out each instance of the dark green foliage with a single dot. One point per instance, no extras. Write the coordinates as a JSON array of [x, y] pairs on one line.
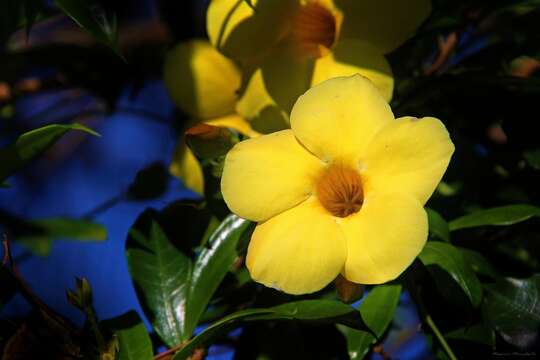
[[452, 261], [174, 289], [377, 310], [133, 339], [476, 283], [31, 144], [512, 308]]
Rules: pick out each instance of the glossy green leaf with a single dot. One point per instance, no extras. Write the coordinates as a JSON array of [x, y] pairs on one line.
[[308, 310], [438, 227], [377, 311], [479, 263], [161, 276], [512, 308], [29, 145], [174, 289], [211, 266], [478, 333], [450, 259], [504, 215], [103, 29], [134, 340], [40, 242]]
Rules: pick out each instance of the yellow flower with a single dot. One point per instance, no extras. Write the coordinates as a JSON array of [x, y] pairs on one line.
[[341, 192], [287, 46], [203, 83], [200, 80]]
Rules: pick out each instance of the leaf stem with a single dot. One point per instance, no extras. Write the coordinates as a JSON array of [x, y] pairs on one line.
[[440, 337], [170, 351]]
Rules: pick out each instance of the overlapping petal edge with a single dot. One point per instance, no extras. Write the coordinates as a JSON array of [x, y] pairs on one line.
[[363, 32], [203, 83], [298, 245]]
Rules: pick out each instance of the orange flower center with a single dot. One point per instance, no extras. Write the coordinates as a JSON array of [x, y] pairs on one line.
[[340, 190], [314, 29]]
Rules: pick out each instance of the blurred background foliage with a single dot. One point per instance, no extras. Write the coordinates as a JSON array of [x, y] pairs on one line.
[[87, 204]]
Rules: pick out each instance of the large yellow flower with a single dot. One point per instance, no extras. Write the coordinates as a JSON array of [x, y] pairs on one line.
[[341, 192], [287, 46], [204, 84]]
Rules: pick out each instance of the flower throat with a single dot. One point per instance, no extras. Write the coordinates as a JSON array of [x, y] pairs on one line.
[[314, 29], [340, 190]]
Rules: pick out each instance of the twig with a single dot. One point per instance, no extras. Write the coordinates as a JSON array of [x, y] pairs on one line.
[[7, 259], [104, 206], [411, 282], [445, 48], [171, 351], [379, 349]]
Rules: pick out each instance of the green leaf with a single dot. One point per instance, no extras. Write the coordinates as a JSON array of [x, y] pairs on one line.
[[161, 276], [519, 8], [478, 333], [307, 310], [135, 343], [29, 145], [96, 24], [176, 290], [504, 215], [438, 227], [64, 228], [149, 183], [450, 259], [533, 158], [377, 311], [479, 263], [60, 229], [211, 266], [512, 308]]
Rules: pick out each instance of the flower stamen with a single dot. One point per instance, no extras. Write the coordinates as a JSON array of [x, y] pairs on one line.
[[340, 190]]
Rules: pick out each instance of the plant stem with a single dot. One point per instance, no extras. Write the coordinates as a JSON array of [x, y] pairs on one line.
[[440, 337], [170, 351]]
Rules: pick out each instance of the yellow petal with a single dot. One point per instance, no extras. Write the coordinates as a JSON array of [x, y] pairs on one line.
[[384, 237], [337, 118], [351, 57], [410, 155], [235, 122], [242, 33], [384, 23], [259, 108], [265, 176], [273, 89], [299, 251], [186, 167], [200, 80]]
